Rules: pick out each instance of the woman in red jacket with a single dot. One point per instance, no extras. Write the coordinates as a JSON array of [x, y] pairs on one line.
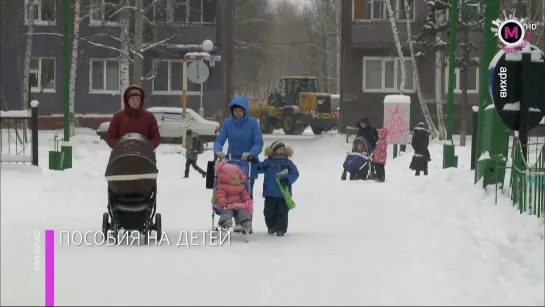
[[133, 119]]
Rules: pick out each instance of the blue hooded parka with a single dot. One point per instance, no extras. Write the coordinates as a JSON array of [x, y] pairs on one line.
[[242, 134]]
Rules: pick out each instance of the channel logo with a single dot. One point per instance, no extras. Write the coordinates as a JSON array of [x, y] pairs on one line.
[[511, 32]]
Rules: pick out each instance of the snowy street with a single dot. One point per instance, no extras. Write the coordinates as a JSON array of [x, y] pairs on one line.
[[429, 240]]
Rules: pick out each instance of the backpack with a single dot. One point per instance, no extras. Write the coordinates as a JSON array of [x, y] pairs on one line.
[[199, 146]]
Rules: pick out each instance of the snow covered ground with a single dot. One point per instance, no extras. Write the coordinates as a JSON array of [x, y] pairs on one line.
[[435, 240]]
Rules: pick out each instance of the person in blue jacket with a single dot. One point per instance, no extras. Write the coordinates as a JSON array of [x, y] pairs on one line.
[[277, 166], [243, 135]]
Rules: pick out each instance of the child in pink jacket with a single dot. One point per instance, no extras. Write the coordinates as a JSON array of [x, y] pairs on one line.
[[231, 196], [380, 154]]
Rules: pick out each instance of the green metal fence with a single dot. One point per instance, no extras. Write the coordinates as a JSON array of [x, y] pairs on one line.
[[527, 183]]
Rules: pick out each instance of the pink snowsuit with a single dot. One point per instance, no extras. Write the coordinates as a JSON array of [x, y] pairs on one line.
[[381, 150], [231, 192]]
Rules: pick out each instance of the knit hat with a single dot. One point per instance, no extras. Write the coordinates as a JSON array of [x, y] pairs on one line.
[[276, 145]]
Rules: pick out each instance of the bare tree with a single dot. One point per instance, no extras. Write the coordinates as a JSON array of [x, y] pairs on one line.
[[138, 66], [124, 78], [131, 46], [398, 46], [30, 9], [439, 68], [73, 66], [423, 105], [279, 38]]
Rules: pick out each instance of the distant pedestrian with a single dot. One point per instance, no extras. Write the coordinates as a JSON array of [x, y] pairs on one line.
[[192, 151], [380, 155], [420, 143]]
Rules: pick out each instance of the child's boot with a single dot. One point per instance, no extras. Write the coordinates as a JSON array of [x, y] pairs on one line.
[[280, 233], [247, 225], [270, 231], [225, 224]]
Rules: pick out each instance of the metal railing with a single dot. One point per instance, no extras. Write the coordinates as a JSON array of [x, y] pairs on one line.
[[527, 182], [14, 139]]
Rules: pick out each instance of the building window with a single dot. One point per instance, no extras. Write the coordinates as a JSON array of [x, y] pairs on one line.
[[472, 82], [42, 75], [184, 11], [377, 10], [44, 12], [104, 12], [104, 76], [381, 74], [168, 79]]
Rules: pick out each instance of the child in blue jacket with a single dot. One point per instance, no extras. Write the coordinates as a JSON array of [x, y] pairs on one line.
[[277, 165]]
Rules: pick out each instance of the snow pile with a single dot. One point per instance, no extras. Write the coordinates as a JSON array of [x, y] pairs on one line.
[[433, 240]]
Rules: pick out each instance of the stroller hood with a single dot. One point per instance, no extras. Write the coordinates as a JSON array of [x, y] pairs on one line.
[[132, 169], [361, 139]]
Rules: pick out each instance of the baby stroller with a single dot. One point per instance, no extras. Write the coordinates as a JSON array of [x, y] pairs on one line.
[[245, 167], [357, 164], [132, 188]]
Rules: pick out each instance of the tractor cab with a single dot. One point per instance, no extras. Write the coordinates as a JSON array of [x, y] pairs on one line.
[[291, 87]]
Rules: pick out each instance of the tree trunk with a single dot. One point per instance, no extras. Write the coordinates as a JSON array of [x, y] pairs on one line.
[[28, 54], [439, 85], [398, 46], [425, 111], [338, 47], [138, 64], [325, 45], [465, 84], [73, 67], [124, 79], [439, 94]]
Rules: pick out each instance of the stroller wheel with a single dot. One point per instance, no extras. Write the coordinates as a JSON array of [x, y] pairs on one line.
[[157, 227], [105, 224]]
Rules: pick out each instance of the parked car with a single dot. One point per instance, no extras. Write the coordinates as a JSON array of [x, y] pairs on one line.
[[170, 119]]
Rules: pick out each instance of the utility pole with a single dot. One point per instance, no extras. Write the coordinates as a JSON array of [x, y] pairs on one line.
[[449, 159], [490, 43]]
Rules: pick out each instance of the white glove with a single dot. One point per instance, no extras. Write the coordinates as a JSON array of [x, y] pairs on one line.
[[283, 172], [220, 155], [245, 156]]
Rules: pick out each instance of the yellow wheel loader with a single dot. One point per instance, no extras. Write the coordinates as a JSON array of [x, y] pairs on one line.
[[296, 105]]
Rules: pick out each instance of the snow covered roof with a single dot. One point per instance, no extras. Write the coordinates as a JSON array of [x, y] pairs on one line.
[[186, 46], [170, 110], [397, 99], [15, 114]]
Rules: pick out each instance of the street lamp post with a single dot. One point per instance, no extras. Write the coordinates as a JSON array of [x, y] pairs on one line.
[[206, 46]]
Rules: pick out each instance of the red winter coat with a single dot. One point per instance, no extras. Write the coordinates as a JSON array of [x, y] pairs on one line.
[[381, 151], [231, 195], [133, 121]]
